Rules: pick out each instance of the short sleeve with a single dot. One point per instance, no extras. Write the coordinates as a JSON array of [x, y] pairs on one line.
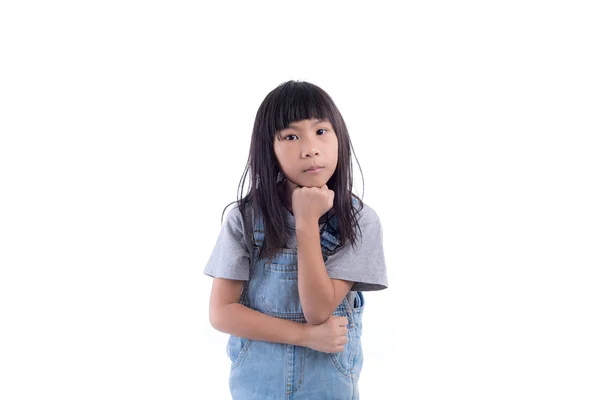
[[363, 264], [230, 257]]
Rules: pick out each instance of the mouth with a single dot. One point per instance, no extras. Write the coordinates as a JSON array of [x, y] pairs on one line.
[[315, 168]]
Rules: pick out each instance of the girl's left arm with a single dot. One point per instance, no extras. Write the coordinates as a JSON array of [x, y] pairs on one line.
[[319, 294]]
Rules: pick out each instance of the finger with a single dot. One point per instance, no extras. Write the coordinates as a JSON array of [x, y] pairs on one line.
[[337, 349]]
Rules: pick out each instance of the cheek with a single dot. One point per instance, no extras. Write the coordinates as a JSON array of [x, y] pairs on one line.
[[281, 160], [279, 154], [284, 168], [334, 151]]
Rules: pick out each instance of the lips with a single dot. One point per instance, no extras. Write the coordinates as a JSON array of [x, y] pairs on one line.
[[313, 168]]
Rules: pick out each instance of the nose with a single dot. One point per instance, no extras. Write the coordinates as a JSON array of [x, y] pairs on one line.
[[309, 149]]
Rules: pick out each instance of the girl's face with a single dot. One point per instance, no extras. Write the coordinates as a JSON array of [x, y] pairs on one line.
[[303, 145]]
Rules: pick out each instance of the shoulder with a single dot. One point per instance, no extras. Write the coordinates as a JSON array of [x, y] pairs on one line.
[[362, 262], [366, 215], [234, 219], [237, 226]]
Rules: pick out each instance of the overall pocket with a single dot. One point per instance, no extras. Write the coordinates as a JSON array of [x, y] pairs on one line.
[[345, 360], [278, 292], [237, 348], [349, 361]]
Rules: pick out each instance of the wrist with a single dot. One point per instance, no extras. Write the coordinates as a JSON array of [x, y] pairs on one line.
[[306, 223], [302, 335]]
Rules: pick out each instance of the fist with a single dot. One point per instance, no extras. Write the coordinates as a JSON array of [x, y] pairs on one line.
[[310, 203], [329, 337]]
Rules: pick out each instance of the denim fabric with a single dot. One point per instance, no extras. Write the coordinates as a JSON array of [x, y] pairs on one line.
[[263, 370]]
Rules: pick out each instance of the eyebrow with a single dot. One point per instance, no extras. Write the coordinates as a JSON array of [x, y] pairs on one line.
[[319, 121]]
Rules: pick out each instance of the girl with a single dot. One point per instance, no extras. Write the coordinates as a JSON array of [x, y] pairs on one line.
[[295, 255]]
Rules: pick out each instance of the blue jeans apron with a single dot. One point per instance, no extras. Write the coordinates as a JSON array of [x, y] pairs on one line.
[[264, 370]]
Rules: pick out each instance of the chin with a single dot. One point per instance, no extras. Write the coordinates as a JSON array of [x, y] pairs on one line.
[[314, 183], [307, 181]]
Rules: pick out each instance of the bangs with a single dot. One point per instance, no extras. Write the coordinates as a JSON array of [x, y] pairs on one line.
[[296, 101]]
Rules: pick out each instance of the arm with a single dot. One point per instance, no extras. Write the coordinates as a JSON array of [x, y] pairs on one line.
[[319, 295], [228, 316]]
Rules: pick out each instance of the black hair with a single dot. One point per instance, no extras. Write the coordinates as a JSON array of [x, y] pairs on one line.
[[294, 101]]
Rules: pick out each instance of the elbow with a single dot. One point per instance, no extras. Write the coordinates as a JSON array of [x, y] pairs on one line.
[[319, 314], [316, 318], [215, 316], [213, 320]]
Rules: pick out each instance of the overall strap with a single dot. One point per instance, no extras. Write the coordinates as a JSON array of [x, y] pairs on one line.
[[329, 236], [258, 237]]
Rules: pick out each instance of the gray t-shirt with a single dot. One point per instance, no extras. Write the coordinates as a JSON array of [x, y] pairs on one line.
[[363, 264]]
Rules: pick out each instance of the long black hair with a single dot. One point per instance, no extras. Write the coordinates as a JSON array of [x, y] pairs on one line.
[[294, 101]]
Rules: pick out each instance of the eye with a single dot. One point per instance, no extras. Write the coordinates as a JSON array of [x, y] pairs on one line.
[[288, 137], [324, 130]]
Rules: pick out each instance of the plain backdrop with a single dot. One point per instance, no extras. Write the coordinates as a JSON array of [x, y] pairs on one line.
[[125, 128]]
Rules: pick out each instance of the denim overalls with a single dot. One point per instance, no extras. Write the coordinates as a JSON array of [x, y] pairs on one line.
[[275, 371]]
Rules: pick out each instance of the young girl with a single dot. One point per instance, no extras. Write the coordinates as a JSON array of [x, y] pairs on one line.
[[294, 256]]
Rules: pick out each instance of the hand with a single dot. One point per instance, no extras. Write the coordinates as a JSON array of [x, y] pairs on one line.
[[309, 203], [328, 337]]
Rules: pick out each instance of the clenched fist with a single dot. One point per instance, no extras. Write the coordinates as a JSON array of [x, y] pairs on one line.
[[310, 203], [329, 337]]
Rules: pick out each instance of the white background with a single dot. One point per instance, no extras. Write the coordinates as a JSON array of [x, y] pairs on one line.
[[125, 129]]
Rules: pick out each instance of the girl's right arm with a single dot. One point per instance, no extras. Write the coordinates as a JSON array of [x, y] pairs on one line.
[[229, 316]]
